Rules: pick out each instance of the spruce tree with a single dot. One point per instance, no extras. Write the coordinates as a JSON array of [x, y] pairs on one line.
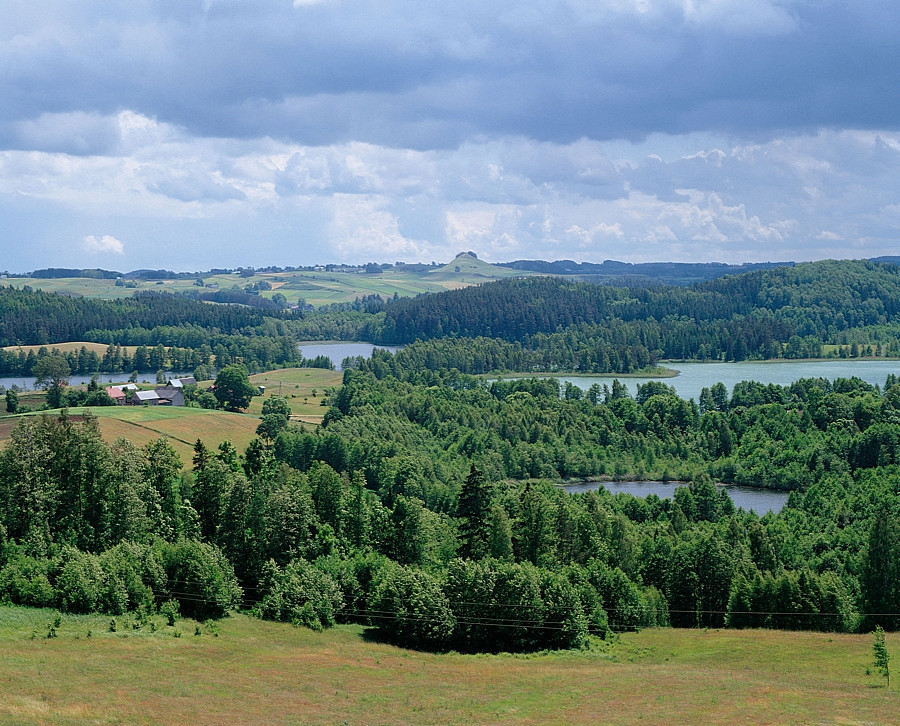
[[474, 510]]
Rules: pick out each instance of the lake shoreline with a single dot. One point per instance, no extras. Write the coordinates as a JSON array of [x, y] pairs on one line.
[[759, 500], [562, 483], [658, 373]]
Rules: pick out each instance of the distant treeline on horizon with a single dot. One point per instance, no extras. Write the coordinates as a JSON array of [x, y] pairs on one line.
[[677, 273]]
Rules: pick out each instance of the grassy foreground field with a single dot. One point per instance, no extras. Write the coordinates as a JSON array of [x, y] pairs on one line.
[[255, 672]]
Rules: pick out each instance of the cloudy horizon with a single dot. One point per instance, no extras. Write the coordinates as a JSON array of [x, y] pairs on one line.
[[191, 134]]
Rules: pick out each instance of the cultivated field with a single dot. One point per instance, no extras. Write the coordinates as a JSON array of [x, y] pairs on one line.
[[255, 672], [302, 387], [142, 424], [315, 287]]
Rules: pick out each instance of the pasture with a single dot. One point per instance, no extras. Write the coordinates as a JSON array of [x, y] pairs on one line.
[[182, 426], [258, 672], [303, 388], [316, 288]]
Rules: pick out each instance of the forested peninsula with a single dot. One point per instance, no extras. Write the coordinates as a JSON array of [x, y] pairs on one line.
[[426, 507]]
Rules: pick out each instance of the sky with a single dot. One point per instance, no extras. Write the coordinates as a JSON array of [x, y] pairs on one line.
[[191, 134]]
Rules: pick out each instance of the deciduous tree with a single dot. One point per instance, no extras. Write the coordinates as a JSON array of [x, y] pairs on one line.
[[232, 388]]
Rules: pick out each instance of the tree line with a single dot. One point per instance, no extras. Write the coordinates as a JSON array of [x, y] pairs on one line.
[[171, 331]]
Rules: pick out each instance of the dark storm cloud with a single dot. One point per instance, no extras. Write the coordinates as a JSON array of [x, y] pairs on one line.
[[433, 74]]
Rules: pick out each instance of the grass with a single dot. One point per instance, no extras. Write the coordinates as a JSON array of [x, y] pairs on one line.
[[316, 288], [302, 387], [258, 672], [183, 426]]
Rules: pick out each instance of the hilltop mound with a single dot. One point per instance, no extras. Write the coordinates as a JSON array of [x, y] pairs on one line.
[[468, 266]]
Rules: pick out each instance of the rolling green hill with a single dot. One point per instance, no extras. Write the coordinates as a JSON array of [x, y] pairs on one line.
[[315, 287]]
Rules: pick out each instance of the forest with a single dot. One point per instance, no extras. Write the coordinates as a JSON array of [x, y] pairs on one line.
[[540, 324], [427, 505], [171, 331], [429, 513], [553, 324]]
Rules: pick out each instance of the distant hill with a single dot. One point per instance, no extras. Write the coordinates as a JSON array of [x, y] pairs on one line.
[[52, 273], [466, 266]]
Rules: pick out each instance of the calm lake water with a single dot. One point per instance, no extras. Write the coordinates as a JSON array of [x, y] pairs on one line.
[[27, 384], [337, 351], [751, 499], [693, 377]]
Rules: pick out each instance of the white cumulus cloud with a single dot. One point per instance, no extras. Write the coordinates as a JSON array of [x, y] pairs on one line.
[[105, 244]]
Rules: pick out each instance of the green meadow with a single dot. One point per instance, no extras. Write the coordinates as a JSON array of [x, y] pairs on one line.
[[246, 671], [303, 388], [314, 287]]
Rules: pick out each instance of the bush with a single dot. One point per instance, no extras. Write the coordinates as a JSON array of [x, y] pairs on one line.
[[170, 609], [199, 577], [413, 610], [24, 581], [79, 581], [300, 594], [132, 575], [502, 606]]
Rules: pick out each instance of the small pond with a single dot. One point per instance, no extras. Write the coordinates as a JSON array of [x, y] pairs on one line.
[[338, 350], [752, 499]]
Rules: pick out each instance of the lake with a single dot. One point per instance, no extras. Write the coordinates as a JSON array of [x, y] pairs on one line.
[[752, 499], [27, 383], [337, 350], [693, 377]]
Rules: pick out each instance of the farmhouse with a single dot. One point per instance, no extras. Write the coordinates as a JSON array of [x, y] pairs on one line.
[[117, 394], [170, 395], [182, 382], [141, 397]]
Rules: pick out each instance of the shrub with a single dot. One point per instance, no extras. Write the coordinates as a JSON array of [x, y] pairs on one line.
[[300, 594], [199, 577], [79, 581], [413, 609], [24, 581]]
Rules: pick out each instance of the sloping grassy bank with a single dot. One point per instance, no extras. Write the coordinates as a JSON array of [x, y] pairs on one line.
[[256, 672]]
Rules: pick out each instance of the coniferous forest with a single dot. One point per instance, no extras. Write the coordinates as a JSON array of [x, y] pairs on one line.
[[426, 504]]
